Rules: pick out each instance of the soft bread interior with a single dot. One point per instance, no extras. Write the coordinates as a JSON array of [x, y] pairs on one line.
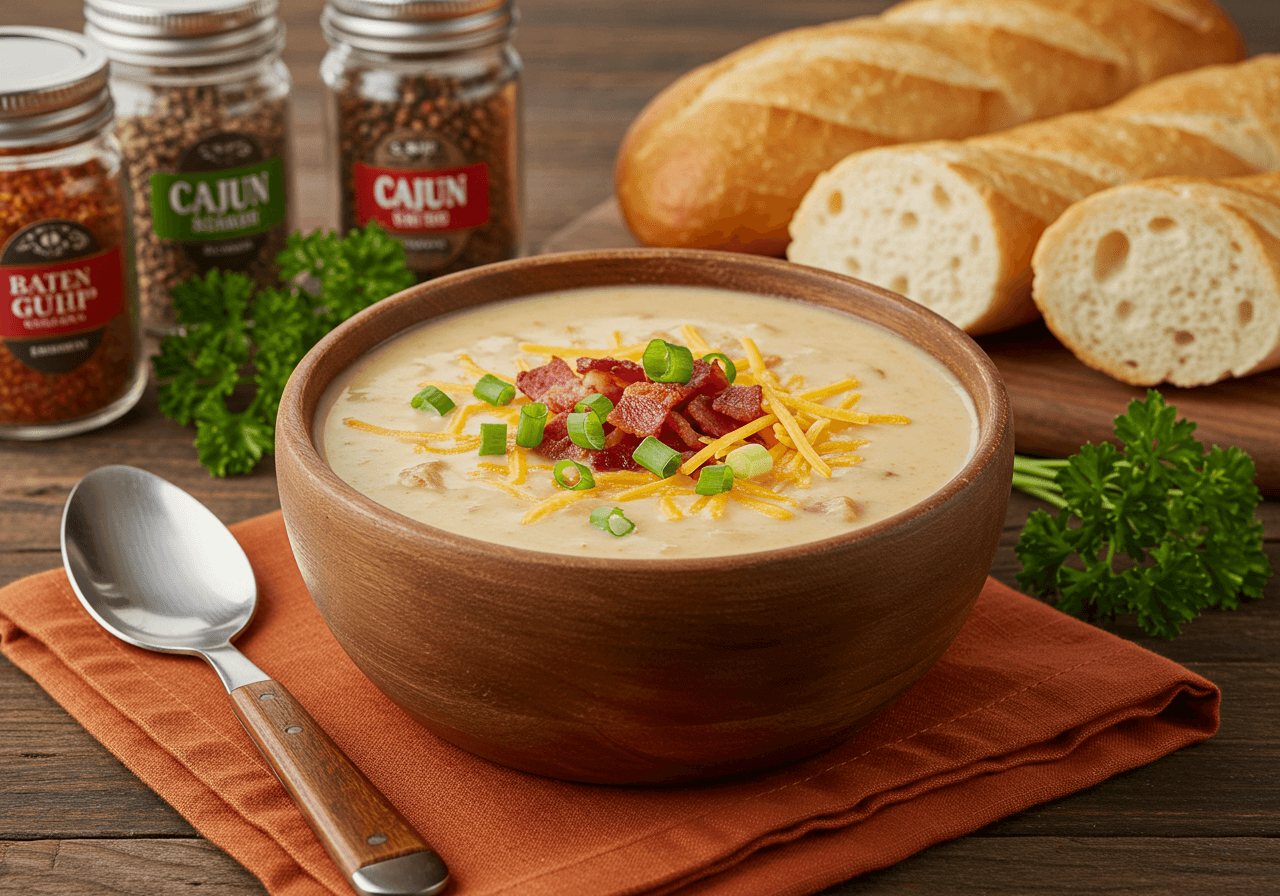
[[1151, 285], [914, 225]]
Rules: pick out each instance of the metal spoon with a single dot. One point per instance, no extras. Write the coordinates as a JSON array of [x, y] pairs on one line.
[[157, 569]]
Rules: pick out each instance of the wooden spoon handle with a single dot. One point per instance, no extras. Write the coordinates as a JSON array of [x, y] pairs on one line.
[[369, 840]]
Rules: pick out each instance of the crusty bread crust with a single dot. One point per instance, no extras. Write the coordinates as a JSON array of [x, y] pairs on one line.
[[722, 157], [1171, 280], [1018, 182]]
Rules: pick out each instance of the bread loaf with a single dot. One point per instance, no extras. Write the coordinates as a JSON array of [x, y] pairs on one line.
[[721, 158], [952, 224], [1172, 280]]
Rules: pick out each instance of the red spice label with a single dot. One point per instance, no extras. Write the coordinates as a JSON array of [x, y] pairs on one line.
[[422, 201], [42, 300]]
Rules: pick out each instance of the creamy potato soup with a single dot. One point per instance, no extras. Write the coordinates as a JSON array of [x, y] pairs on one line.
[[856, 423]]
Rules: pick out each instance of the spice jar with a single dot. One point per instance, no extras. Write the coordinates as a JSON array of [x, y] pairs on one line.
[[70, 339], [424, 115], [202, 96]]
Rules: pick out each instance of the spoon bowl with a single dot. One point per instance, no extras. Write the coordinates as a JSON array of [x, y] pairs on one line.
[[175, 595], [157, 569]]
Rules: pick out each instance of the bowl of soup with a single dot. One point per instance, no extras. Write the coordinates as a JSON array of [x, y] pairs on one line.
[[644, 516]]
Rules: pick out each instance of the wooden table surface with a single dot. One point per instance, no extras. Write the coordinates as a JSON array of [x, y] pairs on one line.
[[73, 820]]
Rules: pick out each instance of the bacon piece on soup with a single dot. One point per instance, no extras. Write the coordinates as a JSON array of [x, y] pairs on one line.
[[616, 453], [684, 431], [710, 421], [707, 379], [555, 374], [742, 403], [599, 382], [644, 407], [624, 371], [557, 428]]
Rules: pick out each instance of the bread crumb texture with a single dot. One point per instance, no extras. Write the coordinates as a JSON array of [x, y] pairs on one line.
[[1167, 281], [953, 224]]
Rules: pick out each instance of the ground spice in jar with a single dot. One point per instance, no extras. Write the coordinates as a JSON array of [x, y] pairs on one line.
[[203, 110], [70, 339], [425, 116]]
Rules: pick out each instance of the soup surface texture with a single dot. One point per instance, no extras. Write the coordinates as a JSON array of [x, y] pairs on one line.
[[427, 467]]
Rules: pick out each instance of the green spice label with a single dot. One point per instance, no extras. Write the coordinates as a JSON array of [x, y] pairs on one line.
[[198, 206]]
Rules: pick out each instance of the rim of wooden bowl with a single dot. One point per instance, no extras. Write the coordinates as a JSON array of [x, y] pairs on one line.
[[918, 325]]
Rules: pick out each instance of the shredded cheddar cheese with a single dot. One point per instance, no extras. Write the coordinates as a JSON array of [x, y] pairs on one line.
[[797, 430]]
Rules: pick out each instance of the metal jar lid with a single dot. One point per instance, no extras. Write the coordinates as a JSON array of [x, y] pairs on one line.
[[411, 27], [184, 33], [53, 87]]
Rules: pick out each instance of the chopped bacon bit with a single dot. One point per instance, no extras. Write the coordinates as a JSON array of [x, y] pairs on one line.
[[708, 379], [541, 380], [742, 403], [557, 428], [616, 456], [563, 398], [564, 449], [644, 407], [597, 381], [686, 433], [710, 421], [626, 371]]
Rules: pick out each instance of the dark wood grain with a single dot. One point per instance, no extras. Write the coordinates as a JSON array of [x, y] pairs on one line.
[[356, 824], [74, 820]]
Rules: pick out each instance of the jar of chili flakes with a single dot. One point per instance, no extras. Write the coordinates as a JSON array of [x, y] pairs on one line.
[[202, 100], [424, 115], [70, 340]]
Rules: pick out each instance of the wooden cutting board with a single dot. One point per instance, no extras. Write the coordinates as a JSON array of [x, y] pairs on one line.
[[1058, 403]]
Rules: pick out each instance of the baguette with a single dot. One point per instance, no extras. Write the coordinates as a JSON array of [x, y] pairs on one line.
[[953, 224], [1172, 280], [721, 158]]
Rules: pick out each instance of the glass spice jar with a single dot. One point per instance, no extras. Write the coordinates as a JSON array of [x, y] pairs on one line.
[[425, 122], [202, 97], [70, 337]]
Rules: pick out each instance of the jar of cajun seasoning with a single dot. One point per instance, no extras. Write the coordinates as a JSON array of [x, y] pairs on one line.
[[424, 115], [70, 339], [202, 99]]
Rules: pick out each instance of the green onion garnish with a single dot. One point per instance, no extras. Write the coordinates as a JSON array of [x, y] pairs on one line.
[[533, 420], [576, 483], [730, 369], [749, 461], [595, 402], [585, 430], [434, 397], [666, 362], [493, 438], [611, 520], [493, 390], [657, 458], [714, 480]]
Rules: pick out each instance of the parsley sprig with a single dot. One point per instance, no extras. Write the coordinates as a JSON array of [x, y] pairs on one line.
[[324, 279], [1160, 528]]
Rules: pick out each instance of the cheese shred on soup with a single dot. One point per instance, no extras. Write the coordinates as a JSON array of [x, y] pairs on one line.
[[859, 424]]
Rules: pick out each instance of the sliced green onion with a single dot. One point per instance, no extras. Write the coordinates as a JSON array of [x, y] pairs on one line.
[[666, 362], [595, 402], [730, 369], [434, 397], [714, 480], [493, 390], [750, 461], [583, 480], [533, 420], [493, 438], [612, 520], [585, 430], [657, 458]]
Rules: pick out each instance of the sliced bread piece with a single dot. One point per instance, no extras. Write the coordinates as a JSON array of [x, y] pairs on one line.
[[1174, 280]]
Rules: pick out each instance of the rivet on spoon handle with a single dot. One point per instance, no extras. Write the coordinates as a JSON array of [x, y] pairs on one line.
[[372, 844]]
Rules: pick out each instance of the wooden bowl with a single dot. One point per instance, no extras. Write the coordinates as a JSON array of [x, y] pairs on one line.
[[672, 670]]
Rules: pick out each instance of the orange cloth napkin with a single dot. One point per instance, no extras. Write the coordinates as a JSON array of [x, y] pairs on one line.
[[1026, 706]]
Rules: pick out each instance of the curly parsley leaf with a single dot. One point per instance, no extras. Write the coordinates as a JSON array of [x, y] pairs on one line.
[[1160, 529], [324, 279]]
